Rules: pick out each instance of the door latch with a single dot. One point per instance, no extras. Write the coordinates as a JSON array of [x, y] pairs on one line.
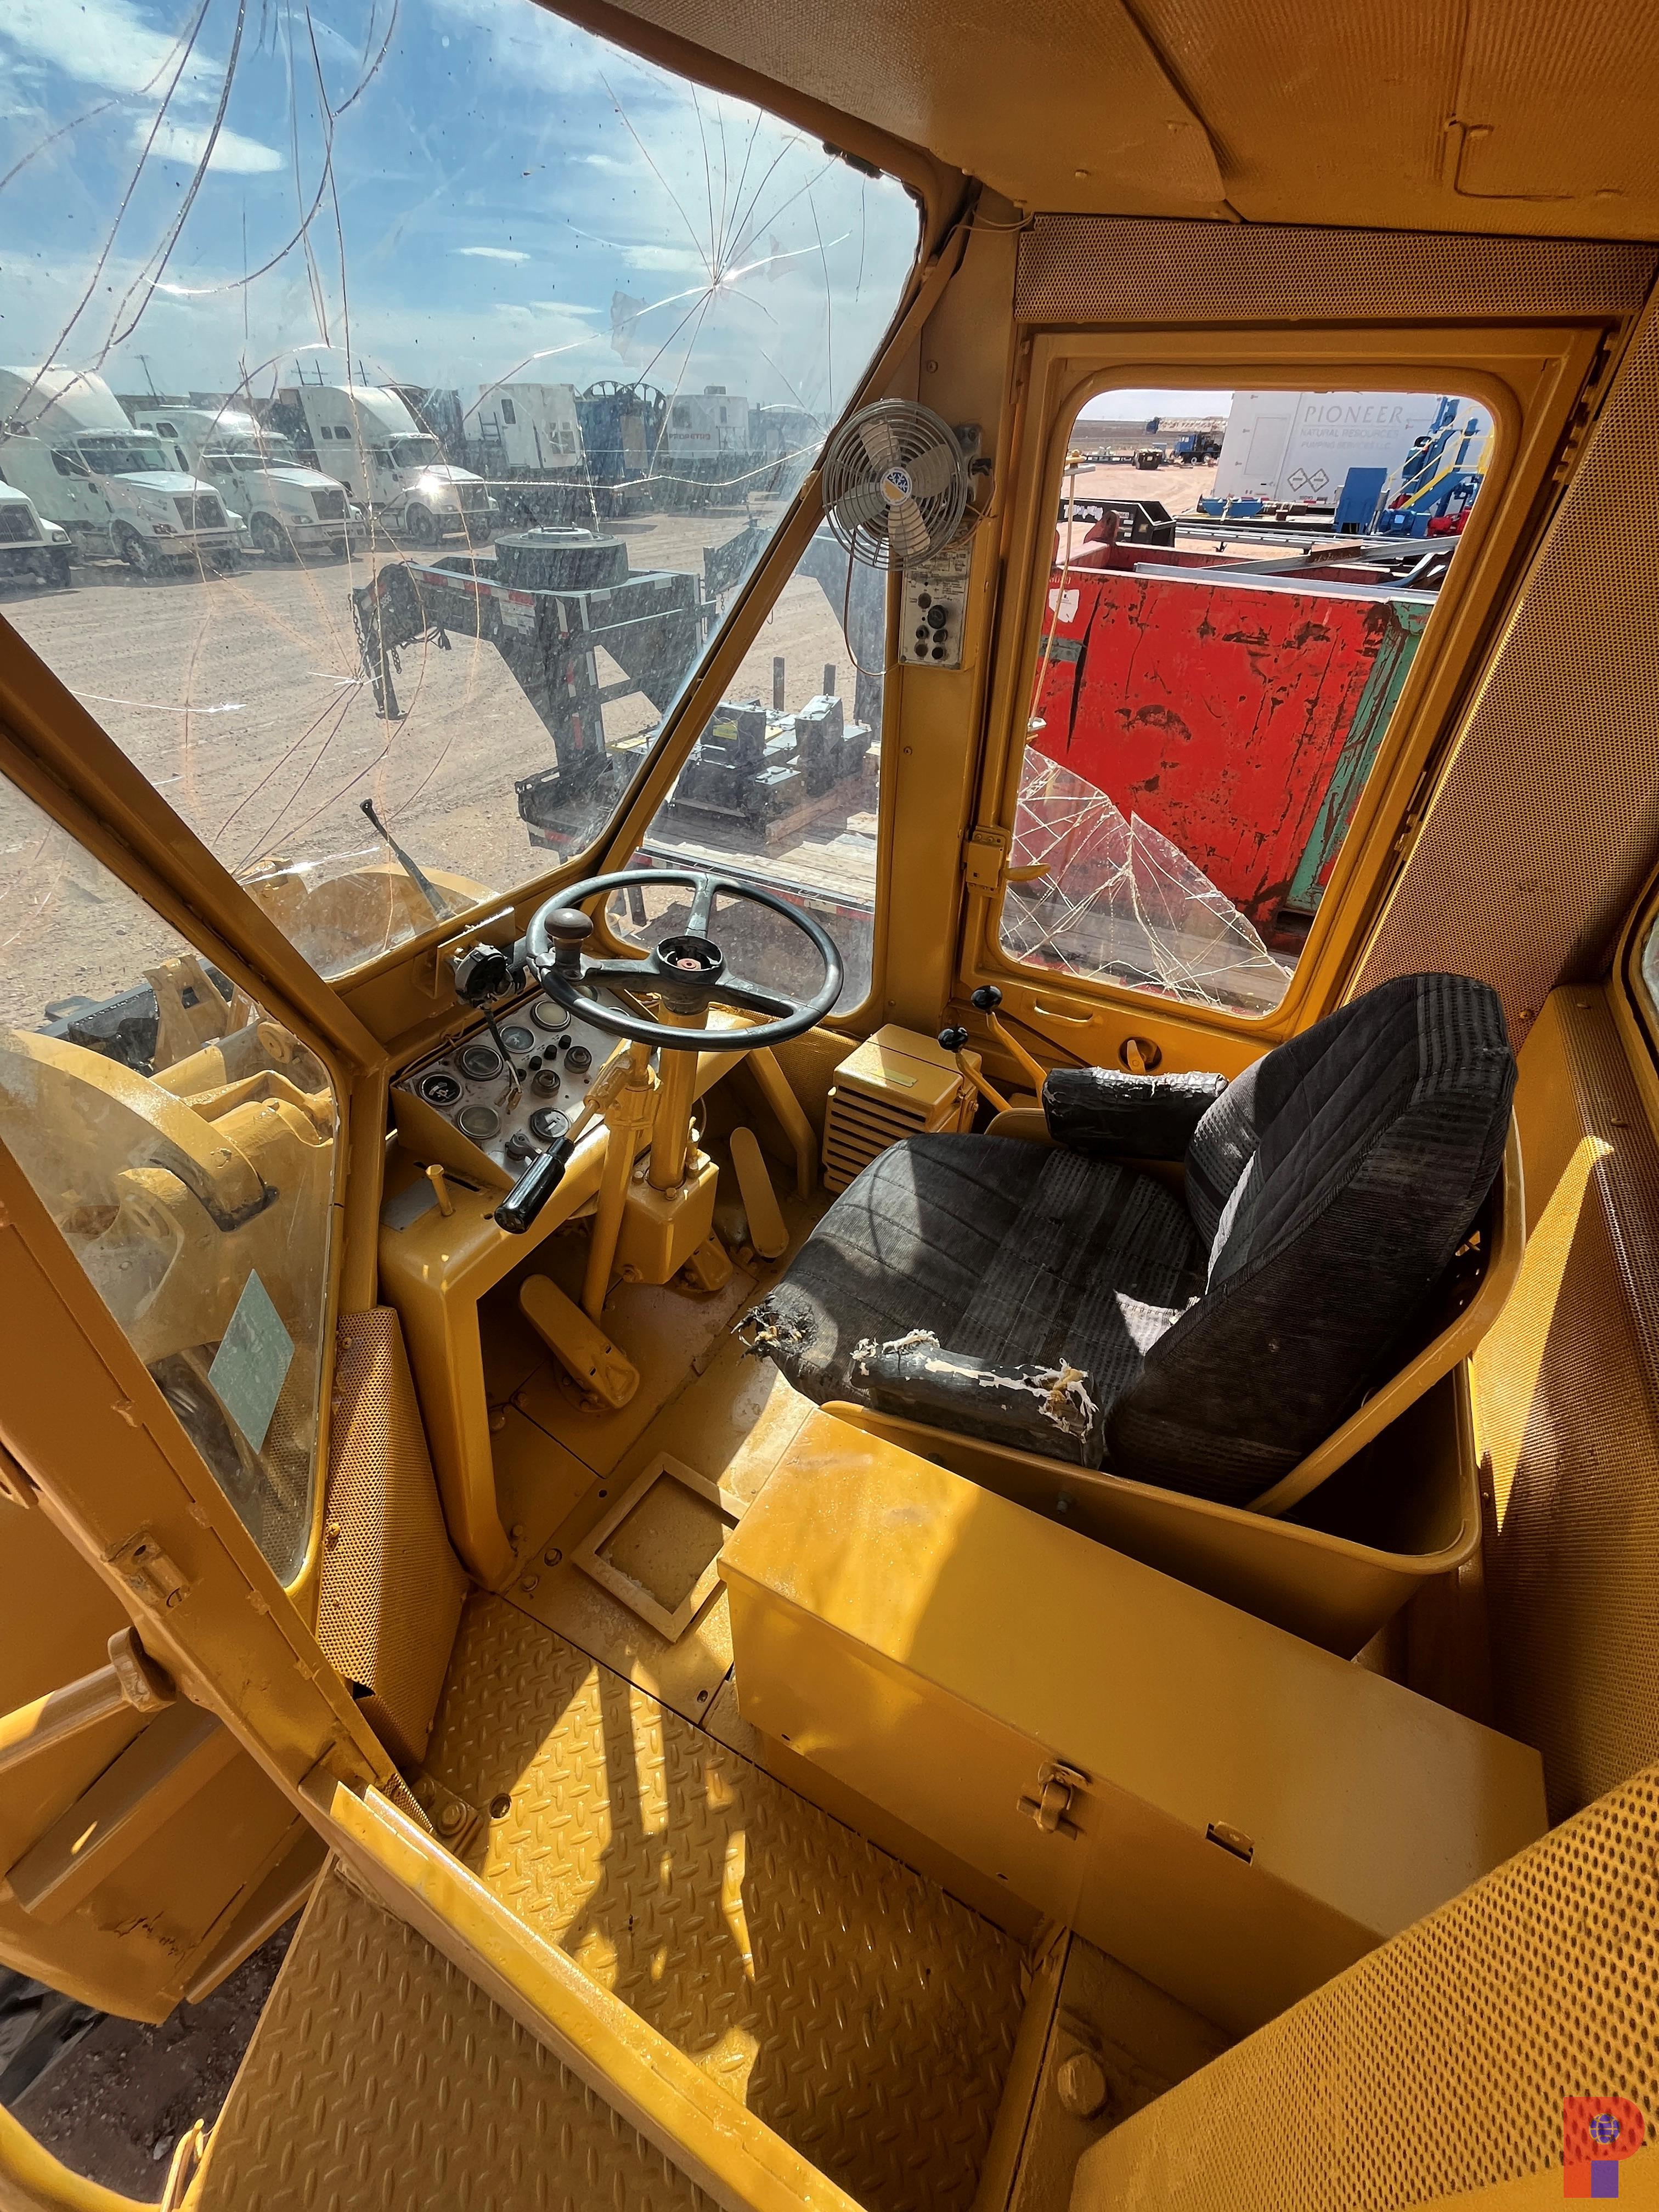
[[1057, 1785]]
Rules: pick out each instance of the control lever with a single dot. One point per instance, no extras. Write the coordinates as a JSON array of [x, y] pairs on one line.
[[986, 1000], [534, 1188], [956, 1041]]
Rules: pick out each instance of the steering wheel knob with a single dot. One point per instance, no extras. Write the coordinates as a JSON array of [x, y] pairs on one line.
[[569, 929]]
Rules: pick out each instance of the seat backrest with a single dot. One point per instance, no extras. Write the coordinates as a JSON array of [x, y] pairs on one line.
[[1331, 1183]]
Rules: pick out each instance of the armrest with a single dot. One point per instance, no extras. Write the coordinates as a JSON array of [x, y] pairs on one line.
[[1042, 1409], [1110, 1114]]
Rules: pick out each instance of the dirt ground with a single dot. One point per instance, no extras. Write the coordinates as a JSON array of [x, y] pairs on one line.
[[114, 2105], [242, 698]]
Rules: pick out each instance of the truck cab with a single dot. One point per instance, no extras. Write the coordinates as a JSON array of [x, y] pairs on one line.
[[289, 508], [364, 436], [29, 545], [116, 490]]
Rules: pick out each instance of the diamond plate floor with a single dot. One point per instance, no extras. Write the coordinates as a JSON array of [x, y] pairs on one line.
[[864, 2016], [380, 2076]]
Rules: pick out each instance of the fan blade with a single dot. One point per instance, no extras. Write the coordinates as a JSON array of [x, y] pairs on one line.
[[906, 532], [861, 504], [880, 442], [930, 472]]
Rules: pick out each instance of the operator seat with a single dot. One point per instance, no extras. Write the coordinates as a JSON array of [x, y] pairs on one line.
[[1052, 1298]]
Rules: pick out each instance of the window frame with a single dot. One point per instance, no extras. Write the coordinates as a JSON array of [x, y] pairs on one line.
[[1527, 374]]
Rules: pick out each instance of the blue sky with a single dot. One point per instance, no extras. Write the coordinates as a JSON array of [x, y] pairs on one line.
[[505, 185]]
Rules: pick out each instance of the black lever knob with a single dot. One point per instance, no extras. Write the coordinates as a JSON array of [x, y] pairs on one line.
[[569, 929], [953, 1040], [988, 997], [534, 1188]]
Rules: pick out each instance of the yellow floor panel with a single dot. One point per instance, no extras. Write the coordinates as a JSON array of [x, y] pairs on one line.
[[860, 2012], [380, 2076]]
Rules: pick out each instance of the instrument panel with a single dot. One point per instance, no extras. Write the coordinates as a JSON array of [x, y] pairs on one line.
[[509, 1110]]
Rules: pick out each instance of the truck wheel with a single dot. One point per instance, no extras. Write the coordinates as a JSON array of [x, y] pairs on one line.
[[272, 540], [54, 568], [140, 554], [421, 526], [227, 562]]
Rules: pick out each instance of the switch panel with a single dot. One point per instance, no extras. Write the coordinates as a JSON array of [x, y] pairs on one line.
[[933, 608]]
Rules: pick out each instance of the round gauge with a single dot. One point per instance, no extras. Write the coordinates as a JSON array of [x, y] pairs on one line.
[[521, 1146], [545, 1083], [440, 1088], [519, 1040], [480, 1061], [549, 1124], [548, 1014], [578, 1059], [479, 1122]]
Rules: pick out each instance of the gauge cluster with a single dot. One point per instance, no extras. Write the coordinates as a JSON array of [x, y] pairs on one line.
[[512, 1109]]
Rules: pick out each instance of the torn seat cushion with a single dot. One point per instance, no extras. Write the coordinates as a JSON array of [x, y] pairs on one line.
[[1040, 1276], [1032, 1295]]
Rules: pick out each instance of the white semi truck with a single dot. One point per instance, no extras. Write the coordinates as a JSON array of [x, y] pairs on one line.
[[290, 509], [30, 545], [65, 442], [365, 438]]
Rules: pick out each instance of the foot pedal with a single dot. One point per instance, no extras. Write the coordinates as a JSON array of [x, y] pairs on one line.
[[759, 1202], [580, 1345]]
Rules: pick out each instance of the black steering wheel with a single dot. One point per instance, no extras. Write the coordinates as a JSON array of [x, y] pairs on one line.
[[687, 971]]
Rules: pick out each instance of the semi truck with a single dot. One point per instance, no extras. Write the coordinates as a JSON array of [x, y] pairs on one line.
[[288, 508], [30, 545], [364, 436], [117, 491]]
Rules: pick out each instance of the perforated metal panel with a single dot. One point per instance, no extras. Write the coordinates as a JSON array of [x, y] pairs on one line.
[[1546, 817], [1436, 2063], [390, 1587], [1567, 1398], [1094, 269], [380, 2076]]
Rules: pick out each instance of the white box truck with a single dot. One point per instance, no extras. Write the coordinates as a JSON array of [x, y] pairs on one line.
[[522, 429], [1289, 447], [64, 441], [290, 509], [365, 438]]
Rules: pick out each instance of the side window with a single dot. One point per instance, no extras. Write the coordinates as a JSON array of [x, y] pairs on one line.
[[67, 464], [184, 1142], [507, 414], [1239, 584], [782, 787]]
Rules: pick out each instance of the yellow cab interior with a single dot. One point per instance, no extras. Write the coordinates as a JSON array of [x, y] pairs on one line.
[[705, 1774]]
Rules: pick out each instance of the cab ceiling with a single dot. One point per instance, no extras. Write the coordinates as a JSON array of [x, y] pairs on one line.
[[1486, 115]]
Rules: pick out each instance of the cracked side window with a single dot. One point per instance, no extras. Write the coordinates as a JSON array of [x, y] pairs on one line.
[[398, 393], [184, 1143], [1240, 582]]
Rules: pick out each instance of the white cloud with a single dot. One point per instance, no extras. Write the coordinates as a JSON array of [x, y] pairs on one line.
[[183, 142], [490, 253], [101, 42]]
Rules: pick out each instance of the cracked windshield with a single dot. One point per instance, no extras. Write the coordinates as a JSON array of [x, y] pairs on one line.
[[1240, 583], [396, 392]]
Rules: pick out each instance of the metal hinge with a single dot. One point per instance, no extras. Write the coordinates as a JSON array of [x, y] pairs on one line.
[[1050, 1808], [149, 1572], [983, 852]]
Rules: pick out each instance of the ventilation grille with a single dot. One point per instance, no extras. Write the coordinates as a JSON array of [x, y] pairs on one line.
[[898, 1083], [1163, 271]]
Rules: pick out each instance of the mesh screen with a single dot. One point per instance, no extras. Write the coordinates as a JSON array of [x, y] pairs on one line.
[[1545, 820], [1567, 1389], [392, 1587], [1098, 268], [1439, 2062]]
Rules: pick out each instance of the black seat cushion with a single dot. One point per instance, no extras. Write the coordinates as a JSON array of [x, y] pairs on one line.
[[1026, 1256], [1214, 1346]]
